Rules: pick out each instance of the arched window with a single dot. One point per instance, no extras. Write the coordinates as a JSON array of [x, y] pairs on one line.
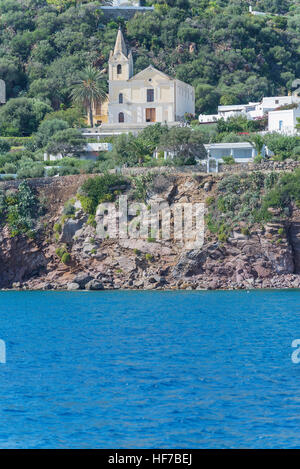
[[121, 117], [119, 69], [121, 98]]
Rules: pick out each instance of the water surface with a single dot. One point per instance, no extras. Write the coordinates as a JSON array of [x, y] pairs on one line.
[[149, 370]]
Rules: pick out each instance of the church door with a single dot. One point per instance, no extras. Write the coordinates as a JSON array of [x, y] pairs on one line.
[[150, 115]]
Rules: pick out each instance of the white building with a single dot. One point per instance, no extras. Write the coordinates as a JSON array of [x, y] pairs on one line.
[[250, 110], [284, 121], [242, 152], [121, 7], [147, 97], [257, 13]]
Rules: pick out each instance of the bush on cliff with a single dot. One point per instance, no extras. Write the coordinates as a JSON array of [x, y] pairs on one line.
[[21, 209], [100, 189], [286, 190]]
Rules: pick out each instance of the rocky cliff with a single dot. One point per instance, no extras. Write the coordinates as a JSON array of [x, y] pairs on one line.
[[260, 258]]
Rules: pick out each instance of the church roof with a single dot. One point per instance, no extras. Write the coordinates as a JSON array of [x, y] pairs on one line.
[[120, 45], [150, 68]]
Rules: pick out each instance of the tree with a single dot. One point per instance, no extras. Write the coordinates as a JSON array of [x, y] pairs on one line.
[[69, 142], [281, 145], [257, 141], [21, 116], [47, 129], [4, 146], [123, 151], [73, 116], [207, 98], [89, 89], [187, 145]]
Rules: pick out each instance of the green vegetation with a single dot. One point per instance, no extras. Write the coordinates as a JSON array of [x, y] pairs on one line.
[[66, 258], [54, 57], [228, 160], [247, 199], [63, 254], [229, 55], [20, 209], [89, 89], [100, 189], [285, 191]]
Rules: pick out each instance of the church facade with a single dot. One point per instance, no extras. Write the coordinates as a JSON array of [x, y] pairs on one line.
[[147, 97]]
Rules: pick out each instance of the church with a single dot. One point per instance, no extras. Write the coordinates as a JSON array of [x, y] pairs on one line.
[[137, 100]]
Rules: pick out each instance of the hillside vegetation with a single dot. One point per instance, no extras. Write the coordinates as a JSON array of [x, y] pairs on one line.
[[229, 55]]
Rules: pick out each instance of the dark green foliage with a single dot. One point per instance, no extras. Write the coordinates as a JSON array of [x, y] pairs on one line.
[[21, 210], [21, 116], [283, 146], [47, 129], [131, 150], [68, 142], [228, 160], [69, 208], [66, 258], [4, 146], [100, 189], [229, 55], [187, 145]]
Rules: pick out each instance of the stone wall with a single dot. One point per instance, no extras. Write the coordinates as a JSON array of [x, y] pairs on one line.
[[34, 183], [288, 165]]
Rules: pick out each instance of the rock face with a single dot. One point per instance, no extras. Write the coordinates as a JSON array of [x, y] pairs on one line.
[[20, 259], [94, 285], [262, 259], [294, 235], [69, 229], [82, 279]]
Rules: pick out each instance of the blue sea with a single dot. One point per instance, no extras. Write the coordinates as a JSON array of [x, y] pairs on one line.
[[150, 369]]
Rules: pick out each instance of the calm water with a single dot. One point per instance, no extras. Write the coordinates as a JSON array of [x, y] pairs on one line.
[[149, 369]]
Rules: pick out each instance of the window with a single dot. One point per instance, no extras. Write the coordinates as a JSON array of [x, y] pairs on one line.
[[121, 117], [150, 95], [280, 125], [276, 101], [119, 69], [121, 98]]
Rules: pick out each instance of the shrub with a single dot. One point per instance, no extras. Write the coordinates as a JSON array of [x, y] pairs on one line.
[[21, 210], [69, 208], [91, 221], [141, 185], [99, 189], [209, 201], [228, 159], [258, 159], [245, 231], [149, 257], [57, 228], [222, 237], [60, 252], [4, 146], [66, 258]]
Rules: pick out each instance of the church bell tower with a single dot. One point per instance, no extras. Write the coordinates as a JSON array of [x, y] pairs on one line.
[[120, 60]]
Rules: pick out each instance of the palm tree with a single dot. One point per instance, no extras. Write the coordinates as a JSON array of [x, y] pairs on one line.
[[88, 89], [257, 141]]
